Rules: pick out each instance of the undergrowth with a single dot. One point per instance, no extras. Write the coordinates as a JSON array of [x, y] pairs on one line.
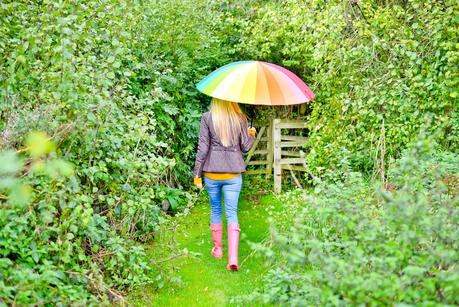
[[355, 242]]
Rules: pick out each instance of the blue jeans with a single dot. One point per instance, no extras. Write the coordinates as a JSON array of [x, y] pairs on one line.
[[231, 189]]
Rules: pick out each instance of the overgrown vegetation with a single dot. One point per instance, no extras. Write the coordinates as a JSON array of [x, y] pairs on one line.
[[111, 83], [54, 245], [352, 243], [110, 86], [373, 64]]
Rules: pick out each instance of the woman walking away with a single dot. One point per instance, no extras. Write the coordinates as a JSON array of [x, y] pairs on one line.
[[223, 138]]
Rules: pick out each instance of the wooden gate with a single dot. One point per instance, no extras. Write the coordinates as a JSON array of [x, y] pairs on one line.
[[275, 151]]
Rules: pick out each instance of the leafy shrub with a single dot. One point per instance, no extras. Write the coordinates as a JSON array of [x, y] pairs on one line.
[[112, 85], [352, 242], [53, 246], [372, 64]]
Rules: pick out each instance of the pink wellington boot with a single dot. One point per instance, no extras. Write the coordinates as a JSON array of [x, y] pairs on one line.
[[217, 251], [233, 246]]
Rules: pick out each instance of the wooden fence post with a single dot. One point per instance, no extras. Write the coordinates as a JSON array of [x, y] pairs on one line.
[[276, 139], [270, 148]]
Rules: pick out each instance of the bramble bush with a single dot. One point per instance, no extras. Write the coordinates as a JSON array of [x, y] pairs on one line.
[[354, 242]]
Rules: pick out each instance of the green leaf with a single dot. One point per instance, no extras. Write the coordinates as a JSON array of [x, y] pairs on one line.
[[9, 162], [172, 202], [39, 144]]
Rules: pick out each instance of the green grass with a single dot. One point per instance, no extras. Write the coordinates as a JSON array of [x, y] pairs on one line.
[[198, 279]]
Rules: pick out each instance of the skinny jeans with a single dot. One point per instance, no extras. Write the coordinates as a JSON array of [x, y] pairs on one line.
[[231, 188]]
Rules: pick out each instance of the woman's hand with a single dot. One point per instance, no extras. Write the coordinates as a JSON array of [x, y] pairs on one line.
[[198, 182], [252, 131]]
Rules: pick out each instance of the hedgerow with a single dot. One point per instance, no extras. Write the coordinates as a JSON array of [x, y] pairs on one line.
[[354, 242], [111, 84], [379, 68]]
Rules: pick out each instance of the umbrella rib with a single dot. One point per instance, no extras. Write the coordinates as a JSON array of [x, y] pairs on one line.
[[243, 87], [231, 93], [295, 91], [263, 72], [247, 79], [275, 85]]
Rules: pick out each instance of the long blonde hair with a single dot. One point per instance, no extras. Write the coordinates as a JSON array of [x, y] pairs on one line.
[[228, 120]]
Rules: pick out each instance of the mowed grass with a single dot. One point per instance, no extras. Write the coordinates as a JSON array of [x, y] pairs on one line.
[[197, 278]]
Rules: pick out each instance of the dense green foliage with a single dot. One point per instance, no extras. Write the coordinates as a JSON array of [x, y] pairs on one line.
[[110, 84], [353, 243], [371, 63], [53, 247]]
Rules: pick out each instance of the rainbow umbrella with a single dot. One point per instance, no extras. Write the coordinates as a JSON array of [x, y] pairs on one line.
[[256, 82]]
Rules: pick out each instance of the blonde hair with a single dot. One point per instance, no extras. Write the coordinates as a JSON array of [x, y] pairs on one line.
[[228, 120]]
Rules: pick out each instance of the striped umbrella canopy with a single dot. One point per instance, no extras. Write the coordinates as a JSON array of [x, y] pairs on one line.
[[256, 82]]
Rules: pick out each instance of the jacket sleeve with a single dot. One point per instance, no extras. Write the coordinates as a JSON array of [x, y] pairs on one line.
[[246, 139], [203, 148]]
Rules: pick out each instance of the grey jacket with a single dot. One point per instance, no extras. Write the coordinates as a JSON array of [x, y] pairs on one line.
[[213, 157]]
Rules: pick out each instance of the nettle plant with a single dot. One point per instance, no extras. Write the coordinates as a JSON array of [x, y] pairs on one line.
[[353, 242]]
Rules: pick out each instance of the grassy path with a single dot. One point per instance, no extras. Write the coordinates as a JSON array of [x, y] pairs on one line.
[[197, 278]]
